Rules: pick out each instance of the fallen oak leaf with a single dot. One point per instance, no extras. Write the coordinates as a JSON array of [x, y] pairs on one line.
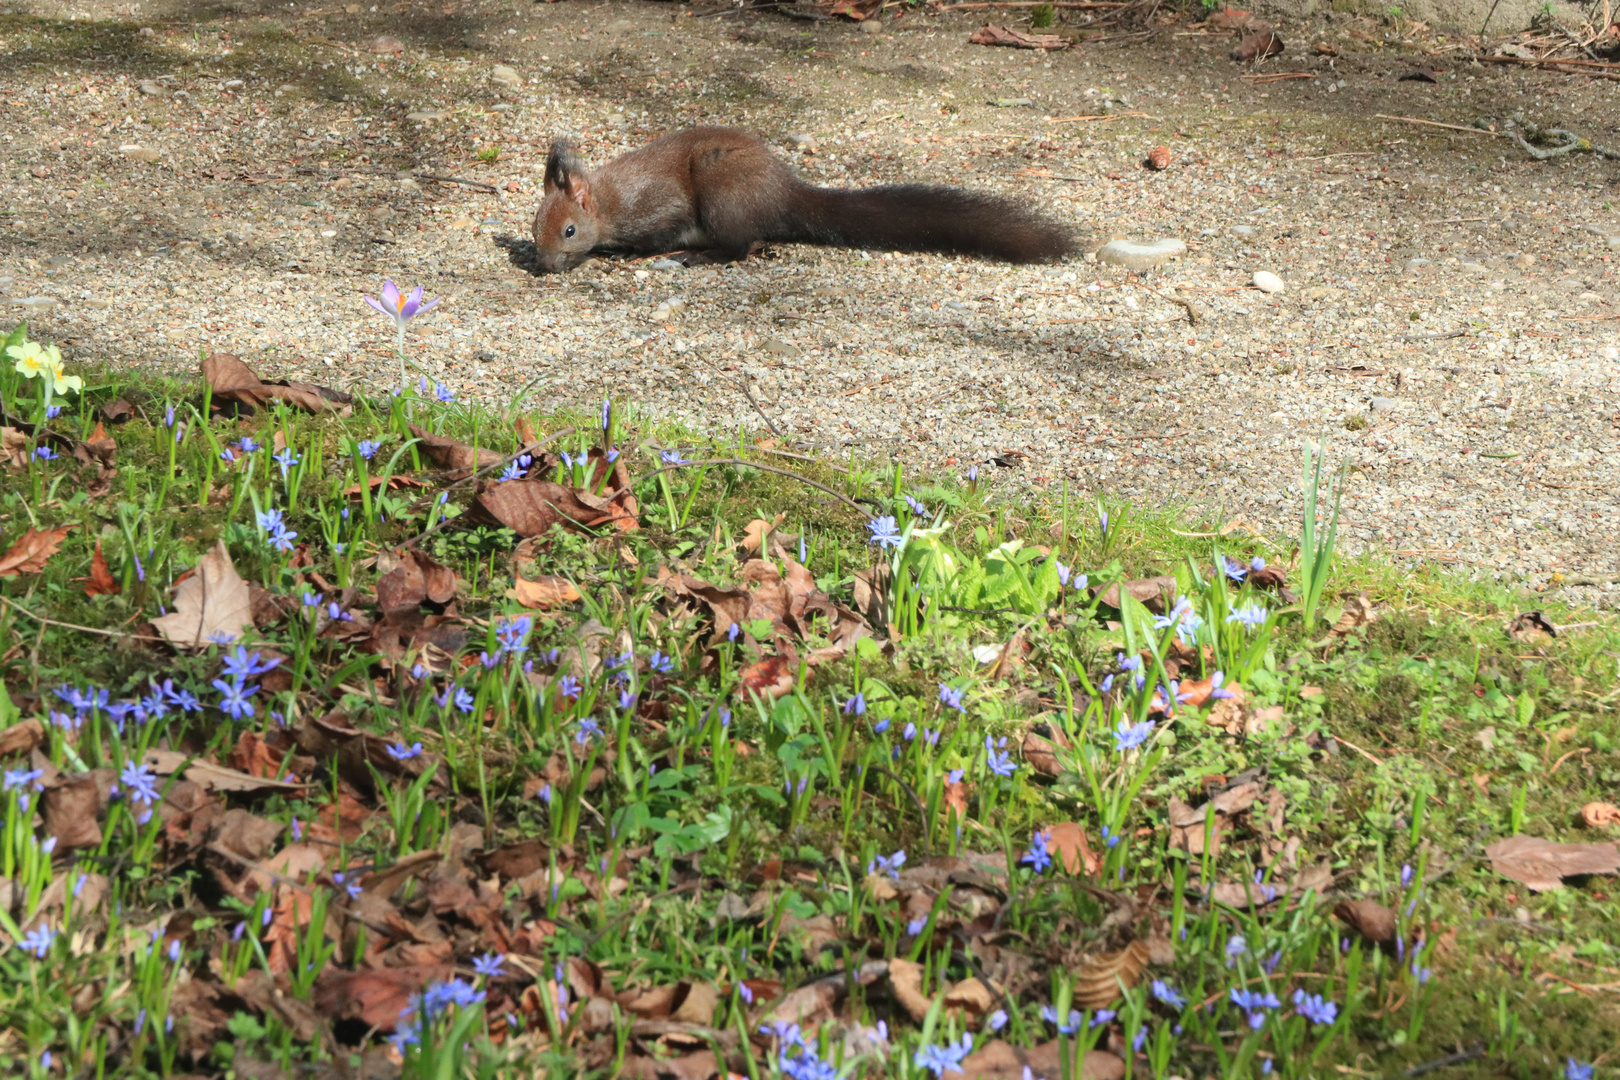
[[31, 550], [545, 592], [230, 380], [1542, 865], [211, 605], [1101, 978], [101, 581], [448, 453], [1067, 840], [999, 1060]]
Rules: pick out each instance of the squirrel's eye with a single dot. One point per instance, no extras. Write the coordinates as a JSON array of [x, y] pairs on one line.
[[568, 232]]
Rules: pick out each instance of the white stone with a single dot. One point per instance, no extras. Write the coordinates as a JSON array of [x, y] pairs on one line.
[[1267, 282], [1136, 255], [505, 76]]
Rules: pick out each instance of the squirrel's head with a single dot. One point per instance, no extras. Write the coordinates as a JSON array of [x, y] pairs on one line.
[[566, 226]]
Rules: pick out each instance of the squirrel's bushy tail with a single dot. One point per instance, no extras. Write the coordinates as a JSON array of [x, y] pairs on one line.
[[923, 217]]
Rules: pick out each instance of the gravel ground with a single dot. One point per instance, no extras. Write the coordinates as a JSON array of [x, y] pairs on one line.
[[1449, 320]]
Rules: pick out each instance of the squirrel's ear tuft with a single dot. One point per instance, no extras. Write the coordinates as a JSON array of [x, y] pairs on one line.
[[564, 170]]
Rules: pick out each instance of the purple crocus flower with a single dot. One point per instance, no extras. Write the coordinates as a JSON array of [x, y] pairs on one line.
[[402, 309]]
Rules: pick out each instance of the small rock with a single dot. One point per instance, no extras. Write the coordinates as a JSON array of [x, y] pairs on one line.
[[1009, 102], [232, 84], [56, 262], [1136, 255], [1523, 262], [778, 347], [424, 116], [663, 264], [1267, 282], [139, 153], [152, 89], [1572, 283], [1473, 267], [1382, 404], [37, 303], [871, 26], [1414, 266], [146, 31], [385, 43], [505, 76], [1243, 230], [1614, 241], [804, 144]]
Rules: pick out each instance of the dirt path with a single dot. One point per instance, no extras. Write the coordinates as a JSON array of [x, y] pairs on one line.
[[231, 178]]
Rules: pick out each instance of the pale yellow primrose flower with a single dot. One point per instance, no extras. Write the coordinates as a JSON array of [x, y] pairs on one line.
[[62, 381], [32, 359]]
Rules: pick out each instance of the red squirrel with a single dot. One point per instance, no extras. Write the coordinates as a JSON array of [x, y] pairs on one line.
[[723, 192]]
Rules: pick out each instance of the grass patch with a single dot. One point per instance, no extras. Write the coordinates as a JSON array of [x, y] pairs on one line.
[[742, 762]]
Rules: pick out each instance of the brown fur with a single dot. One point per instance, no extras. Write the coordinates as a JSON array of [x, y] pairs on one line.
[[722, 191]]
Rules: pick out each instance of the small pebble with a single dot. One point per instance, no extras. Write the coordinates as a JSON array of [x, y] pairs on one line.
[[1269, 283], [1135, 255]]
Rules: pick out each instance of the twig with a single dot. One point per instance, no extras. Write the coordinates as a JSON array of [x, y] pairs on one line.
[[1185, 305], [1473, 1053], [43, 621], [1438, 124], [749, 394], [846, 500], [1070, 5], [1357, 749], [1434, 337], [1102, 117], [491, 188]]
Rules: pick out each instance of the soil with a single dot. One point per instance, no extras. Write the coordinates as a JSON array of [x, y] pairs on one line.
[[235, 176]]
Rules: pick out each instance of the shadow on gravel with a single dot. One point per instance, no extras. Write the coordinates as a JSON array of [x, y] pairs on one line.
[[520, 253]]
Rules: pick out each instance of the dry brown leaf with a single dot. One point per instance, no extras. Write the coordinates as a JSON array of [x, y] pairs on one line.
[[117, 412], [970, 998], [1156, 594], [1358, 612], [102, 583], [773, 676], [375, 997], [1041, 743], [545, 592], [754, 533], [808, 1006], [15, 446], [409, 578], [532, 507], [905, 980], [448, 453], [1101, 978], [215, 777], [999, 1060], [1544, 864], [1372, 920], [231, 381], [21, 737], [1229, 19], [71, 810], [211, 604], [991, 34], [1599, 815], [1259, 41], [1067, 840], [31, 550]]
